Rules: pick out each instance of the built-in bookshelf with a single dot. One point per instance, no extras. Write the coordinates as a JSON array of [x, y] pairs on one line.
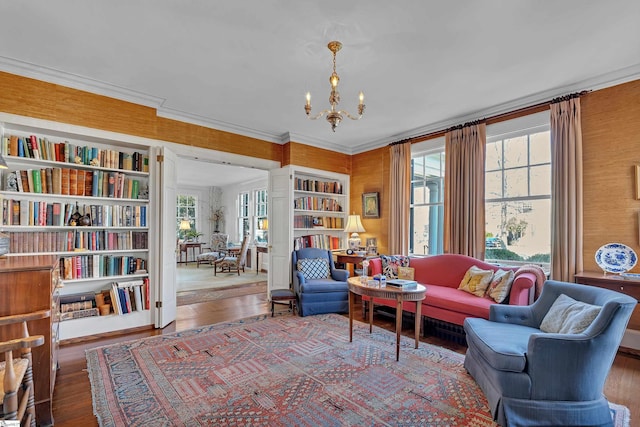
[[319, 209], [85, 200], [307, 208]]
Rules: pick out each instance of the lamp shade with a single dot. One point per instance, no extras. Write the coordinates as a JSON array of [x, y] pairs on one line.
[[354, 225], [185, 224]]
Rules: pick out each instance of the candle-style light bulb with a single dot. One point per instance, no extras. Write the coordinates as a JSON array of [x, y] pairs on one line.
[[308, 98], [361, 98]]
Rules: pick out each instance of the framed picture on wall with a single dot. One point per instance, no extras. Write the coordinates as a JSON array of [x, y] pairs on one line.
[[370, 205]]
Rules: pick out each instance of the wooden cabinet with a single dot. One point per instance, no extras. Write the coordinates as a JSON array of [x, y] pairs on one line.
[[30, 284], [616, 283]]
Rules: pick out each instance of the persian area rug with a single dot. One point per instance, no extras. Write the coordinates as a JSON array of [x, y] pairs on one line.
[[282, 371], [204, 295]]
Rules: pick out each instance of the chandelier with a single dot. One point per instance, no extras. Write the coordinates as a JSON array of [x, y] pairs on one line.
[[334, 116]]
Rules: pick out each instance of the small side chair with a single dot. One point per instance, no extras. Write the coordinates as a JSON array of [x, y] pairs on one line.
[[16, 374]]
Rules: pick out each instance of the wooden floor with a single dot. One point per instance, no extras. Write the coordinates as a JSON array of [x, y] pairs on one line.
[[72, 398]]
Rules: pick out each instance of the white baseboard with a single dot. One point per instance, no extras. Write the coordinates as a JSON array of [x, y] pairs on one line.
[[631, 339]]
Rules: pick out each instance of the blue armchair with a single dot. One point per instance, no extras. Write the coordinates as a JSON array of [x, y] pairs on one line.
[[320, 287], [531, 377]]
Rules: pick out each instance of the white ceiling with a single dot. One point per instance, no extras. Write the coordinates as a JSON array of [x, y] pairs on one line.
[[245, 66]]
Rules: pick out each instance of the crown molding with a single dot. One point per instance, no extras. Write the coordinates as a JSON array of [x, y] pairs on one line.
[[314, 142], [169, 113], [74, 81], [602, 81]]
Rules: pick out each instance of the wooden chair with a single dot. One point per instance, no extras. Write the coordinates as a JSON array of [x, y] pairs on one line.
[[16, 374], [233, 263]]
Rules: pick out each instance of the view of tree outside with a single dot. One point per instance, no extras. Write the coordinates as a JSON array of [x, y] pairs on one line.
[[427, 203], [518, 198]]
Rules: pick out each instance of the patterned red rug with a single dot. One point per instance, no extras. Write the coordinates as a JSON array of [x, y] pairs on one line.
[[287, 370]]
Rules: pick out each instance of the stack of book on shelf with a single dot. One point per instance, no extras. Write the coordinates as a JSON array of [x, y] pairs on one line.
[[322, 241], [77, 306], [40, 148], [129, 296], [402, 284]]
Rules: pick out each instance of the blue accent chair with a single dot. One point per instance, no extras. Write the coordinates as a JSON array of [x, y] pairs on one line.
[[533, 378], [319, 296]]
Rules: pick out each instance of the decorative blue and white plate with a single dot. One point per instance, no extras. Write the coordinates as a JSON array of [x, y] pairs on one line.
[[616, 258]]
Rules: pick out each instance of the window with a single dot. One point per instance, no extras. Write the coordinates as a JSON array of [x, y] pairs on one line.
[[427, 203], [262, 223], [244, 223], [518, 196], [186, 208]]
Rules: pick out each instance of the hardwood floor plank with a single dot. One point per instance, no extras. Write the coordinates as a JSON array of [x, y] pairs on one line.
[[72, 405]]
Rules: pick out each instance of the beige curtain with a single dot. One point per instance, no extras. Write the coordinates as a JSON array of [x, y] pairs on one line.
[[399, 198], [464, 221], [566, 190]]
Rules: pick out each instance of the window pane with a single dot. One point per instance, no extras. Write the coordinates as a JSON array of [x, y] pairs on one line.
[[418, 193], [493, 185], [540, 148], [494, 155], [515, 182], [541, 180], [515, 152], [418, 168], [524, 227]]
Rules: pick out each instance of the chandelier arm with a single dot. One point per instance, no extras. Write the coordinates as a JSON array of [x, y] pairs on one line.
[[346, 113], [317, 116]]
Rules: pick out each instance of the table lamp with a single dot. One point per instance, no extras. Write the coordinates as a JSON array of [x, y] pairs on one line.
[[354, 226]]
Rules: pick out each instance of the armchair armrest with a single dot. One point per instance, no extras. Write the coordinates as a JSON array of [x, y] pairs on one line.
[[522, 289], [567, 366], [339, 274]]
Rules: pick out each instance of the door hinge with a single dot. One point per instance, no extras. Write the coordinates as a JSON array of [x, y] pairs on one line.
[[160, 158], [158, 304]]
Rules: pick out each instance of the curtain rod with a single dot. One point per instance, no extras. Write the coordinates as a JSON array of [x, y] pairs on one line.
[[492, 118]]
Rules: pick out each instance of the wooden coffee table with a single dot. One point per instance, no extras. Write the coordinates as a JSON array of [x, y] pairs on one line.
[[356, 287]]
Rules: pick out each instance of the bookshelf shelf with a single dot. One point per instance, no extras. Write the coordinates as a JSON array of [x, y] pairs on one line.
[[84, 199]]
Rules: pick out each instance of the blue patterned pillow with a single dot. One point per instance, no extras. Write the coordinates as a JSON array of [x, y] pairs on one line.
[[390, 264], [314, 268]]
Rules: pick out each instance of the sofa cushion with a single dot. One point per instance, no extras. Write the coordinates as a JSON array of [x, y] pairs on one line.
[[457, 301], [568, 316], [318, 286], [476, 281], [314, 268], [502, 345], [390, 264], [500, 285]]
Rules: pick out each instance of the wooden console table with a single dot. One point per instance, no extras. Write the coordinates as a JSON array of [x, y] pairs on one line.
[[618, 283], [184, 248], [350, 261]]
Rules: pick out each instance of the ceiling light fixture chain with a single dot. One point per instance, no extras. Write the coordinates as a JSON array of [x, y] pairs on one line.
[[334, 116]]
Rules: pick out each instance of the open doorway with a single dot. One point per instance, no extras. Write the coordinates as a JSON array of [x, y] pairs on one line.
[[219, 198]]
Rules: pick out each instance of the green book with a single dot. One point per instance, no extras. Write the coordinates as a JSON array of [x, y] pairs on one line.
[[37, 181]]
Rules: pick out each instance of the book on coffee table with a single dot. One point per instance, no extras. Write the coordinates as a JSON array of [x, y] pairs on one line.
[[401, 283]]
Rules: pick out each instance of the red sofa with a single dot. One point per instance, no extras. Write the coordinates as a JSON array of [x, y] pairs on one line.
[[442, 274]]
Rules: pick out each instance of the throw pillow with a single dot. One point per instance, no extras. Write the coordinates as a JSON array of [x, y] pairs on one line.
[[314, 268], [500, 285], [476, 280], [390, 264], [568, 316]]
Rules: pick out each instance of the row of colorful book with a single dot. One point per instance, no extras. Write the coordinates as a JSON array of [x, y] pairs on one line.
[[43, 213], [310, 221], [334, 187], [33, 147], [313, 203], [120, 298], [74, 240], [74, 182], [323, 241], [97, 265]]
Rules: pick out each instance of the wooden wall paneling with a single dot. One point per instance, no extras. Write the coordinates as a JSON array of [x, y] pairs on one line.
[[213, 139], [370, 173], [27, 97], [611, 149], [318, 158]]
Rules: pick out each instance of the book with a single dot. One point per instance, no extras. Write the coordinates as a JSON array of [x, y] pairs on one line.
[[406, 273], [403, 284]]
